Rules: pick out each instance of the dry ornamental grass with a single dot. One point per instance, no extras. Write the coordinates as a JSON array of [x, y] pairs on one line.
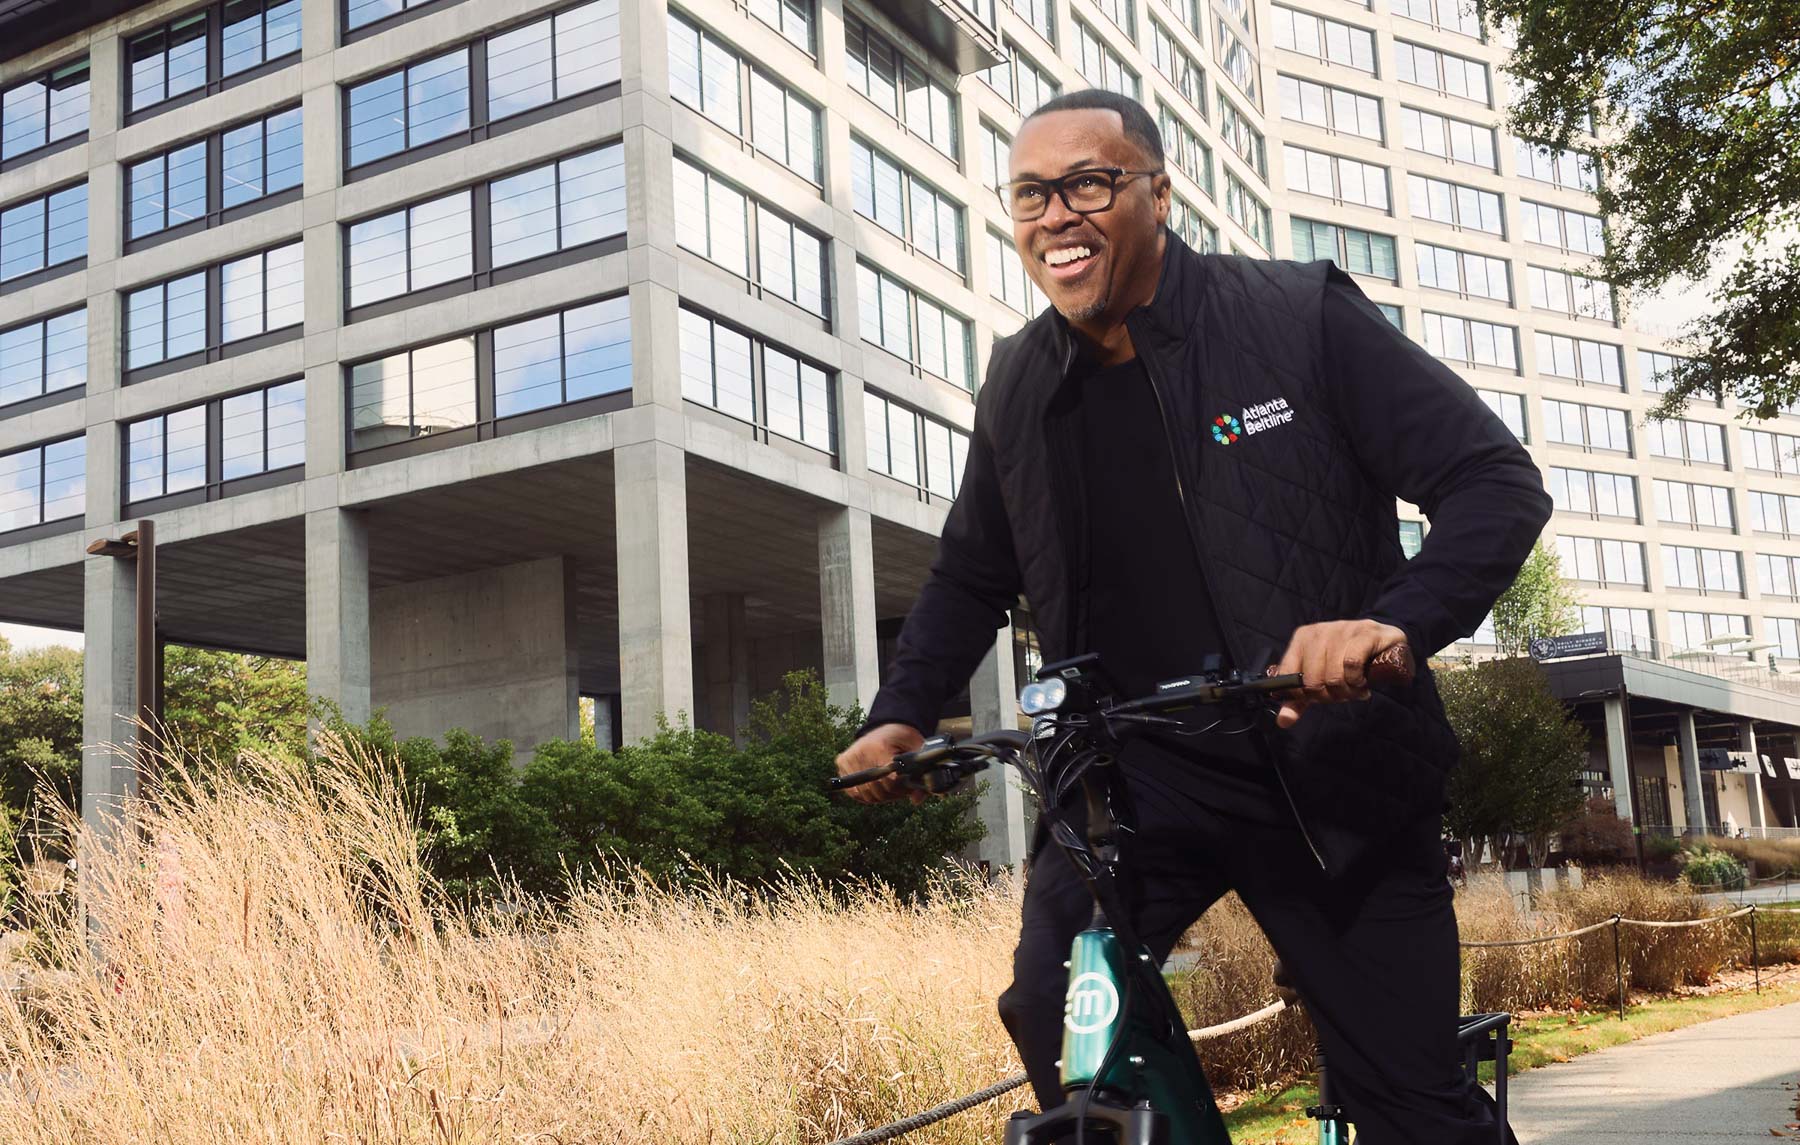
[[267, 960]]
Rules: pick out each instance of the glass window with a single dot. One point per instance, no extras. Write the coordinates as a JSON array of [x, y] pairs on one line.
[[261, 158], [784, 126], [1101, 66], [165, 454], [43, 483], [415, 105], [43, 232], [1443, 72], [792, 18], [1335, 109], [1331, 40], [1454, 139], [1579, 359], [1177, 66], [1466, 208], [704, 74], [263, 430], [411, 249], [798, 399], [43, 356], [256, 31], [1471, 341], [413, 394], [563, 357], [167, 320], [166, 190], [573, 51], [44, 110], [1245, 140], [261, 293], [1336, 177], [1357, 251], [168, 62], [877, 69]]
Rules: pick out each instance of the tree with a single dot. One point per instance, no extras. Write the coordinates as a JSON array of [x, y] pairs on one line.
[[1698, 103], [1599, 836], [40, 722], [217, 704], [1537, 603], [1522, 755]]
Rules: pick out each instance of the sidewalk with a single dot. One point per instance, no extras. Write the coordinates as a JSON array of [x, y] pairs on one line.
[[1728, 1080]]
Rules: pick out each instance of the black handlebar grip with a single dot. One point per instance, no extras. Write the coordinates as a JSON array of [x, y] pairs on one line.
[[858, 778]]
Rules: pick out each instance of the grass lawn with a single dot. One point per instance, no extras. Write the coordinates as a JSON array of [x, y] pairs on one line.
[[1280, 1118]]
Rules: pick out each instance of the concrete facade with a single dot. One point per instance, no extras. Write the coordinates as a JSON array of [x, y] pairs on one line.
[[703, 543]]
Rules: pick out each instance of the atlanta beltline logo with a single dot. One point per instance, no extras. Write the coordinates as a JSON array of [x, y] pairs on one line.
[[1226, 429]]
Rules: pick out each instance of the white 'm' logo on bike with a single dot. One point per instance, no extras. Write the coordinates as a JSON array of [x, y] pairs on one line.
[[1092, 1004]]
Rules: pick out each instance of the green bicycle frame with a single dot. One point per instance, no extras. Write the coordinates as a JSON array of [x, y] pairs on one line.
[[1154, 1061]]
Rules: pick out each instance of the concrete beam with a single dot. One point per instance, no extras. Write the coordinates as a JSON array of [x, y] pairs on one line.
[[337, 610], [1618, 757], [847, 606], [993, 704], [656, 658], [108, 691], [1747, 741], [1688, 749]]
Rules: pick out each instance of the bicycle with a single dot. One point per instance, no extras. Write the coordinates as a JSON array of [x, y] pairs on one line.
[[1130, 1072]]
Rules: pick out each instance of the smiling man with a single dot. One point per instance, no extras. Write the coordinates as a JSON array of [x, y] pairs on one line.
[[1198, 455]]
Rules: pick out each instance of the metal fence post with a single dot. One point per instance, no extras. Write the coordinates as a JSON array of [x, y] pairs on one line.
[[1618, 968], [1755, 958]]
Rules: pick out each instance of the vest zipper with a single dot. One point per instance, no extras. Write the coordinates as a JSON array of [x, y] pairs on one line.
[[1187, 521]]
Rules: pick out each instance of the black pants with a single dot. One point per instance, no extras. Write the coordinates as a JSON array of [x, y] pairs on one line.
[[1372, 952]]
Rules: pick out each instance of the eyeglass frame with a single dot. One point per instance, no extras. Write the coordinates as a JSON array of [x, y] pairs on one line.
[[1117, 175]]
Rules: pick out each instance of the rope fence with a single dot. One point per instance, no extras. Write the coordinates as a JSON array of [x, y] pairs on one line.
[[1206, 1033]]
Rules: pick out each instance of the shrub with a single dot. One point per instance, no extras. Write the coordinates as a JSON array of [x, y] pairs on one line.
[[1710, 869], [1660, 848], [1774, 858], [1599, 837]]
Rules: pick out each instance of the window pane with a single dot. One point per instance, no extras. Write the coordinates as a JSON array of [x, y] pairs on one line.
[[875, 431], [65, 479], [377, 118], [143, 450], [242, 291], [441, 241], [144, 327], [184, 450], [523, 208], [242, 45], [781, 389], [22, 239], [443, 386], [186, 306], [242, 169], [731, 357], [362, 12], [187, 56], [67, 225], [284, 286], [696, 358], [519, 70], [241, 435], [437, 98], [24, 118], [378, 258], [20, 477], [69, 101], [587, 47], [592, 195], [528, 365], [287, 425], [597, 349], [21, 363]]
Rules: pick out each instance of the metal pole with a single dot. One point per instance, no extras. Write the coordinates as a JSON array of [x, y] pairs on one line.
[[1618, 968], [149, 652], [1755, 959]]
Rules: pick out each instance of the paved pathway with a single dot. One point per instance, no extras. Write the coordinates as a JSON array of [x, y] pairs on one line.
[[1727, 1080]]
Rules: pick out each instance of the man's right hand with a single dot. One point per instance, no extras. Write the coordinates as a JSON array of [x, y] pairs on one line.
[[876, 747]]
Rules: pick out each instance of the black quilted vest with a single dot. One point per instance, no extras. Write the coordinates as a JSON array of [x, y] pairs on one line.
[[1289, 529]]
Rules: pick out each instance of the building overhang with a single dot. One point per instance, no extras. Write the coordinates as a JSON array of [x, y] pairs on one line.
[[27, 25], [951, 33], [1593, 677]]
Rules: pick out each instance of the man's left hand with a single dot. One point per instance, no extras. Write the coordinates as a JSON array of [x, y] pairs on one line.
[[1332, 658]]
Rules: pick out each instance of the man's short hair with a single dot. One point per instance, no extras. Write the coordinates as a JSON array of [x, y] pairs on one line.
[[1140, 127]]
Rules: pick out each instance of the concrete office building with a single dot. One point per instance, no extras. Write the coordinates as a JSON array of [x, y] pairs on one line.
[[488, 354]]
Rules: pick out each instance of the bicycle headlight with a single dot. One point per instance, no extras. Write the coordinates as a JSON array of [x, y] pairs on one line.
[[1042, 696]]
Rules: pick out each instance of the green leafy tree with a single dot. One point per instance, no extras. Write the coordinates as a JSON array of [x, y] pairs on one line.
[[218, 704], [1522, 755], [1537, 603], [1698, 104], [40, 722]]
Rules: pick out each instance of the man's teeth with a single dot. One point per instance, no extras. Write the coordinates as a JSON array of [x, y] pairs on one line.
[[1066, 255]]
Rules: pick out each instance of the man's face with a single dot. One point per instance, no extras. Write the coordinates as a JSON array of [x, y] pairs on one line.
[[1122, 263]]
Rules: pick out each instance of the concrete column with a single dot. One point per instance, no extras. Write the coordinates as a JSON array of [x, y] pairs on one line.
[[726, 656], [993, 704], [337, 610], [847, 606], [1688, 749], [1747, 741], [1618, 757], [109, 690], [656, 657]]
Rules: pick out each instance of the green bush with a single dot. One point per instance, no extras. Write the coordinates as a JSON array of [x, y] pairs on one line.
[[1660, 848], [1710, 869], [682, 804]]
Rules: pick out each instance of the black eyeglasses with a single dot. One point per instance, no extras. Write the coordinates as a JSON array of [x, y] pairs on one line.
[[1086, 192]]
